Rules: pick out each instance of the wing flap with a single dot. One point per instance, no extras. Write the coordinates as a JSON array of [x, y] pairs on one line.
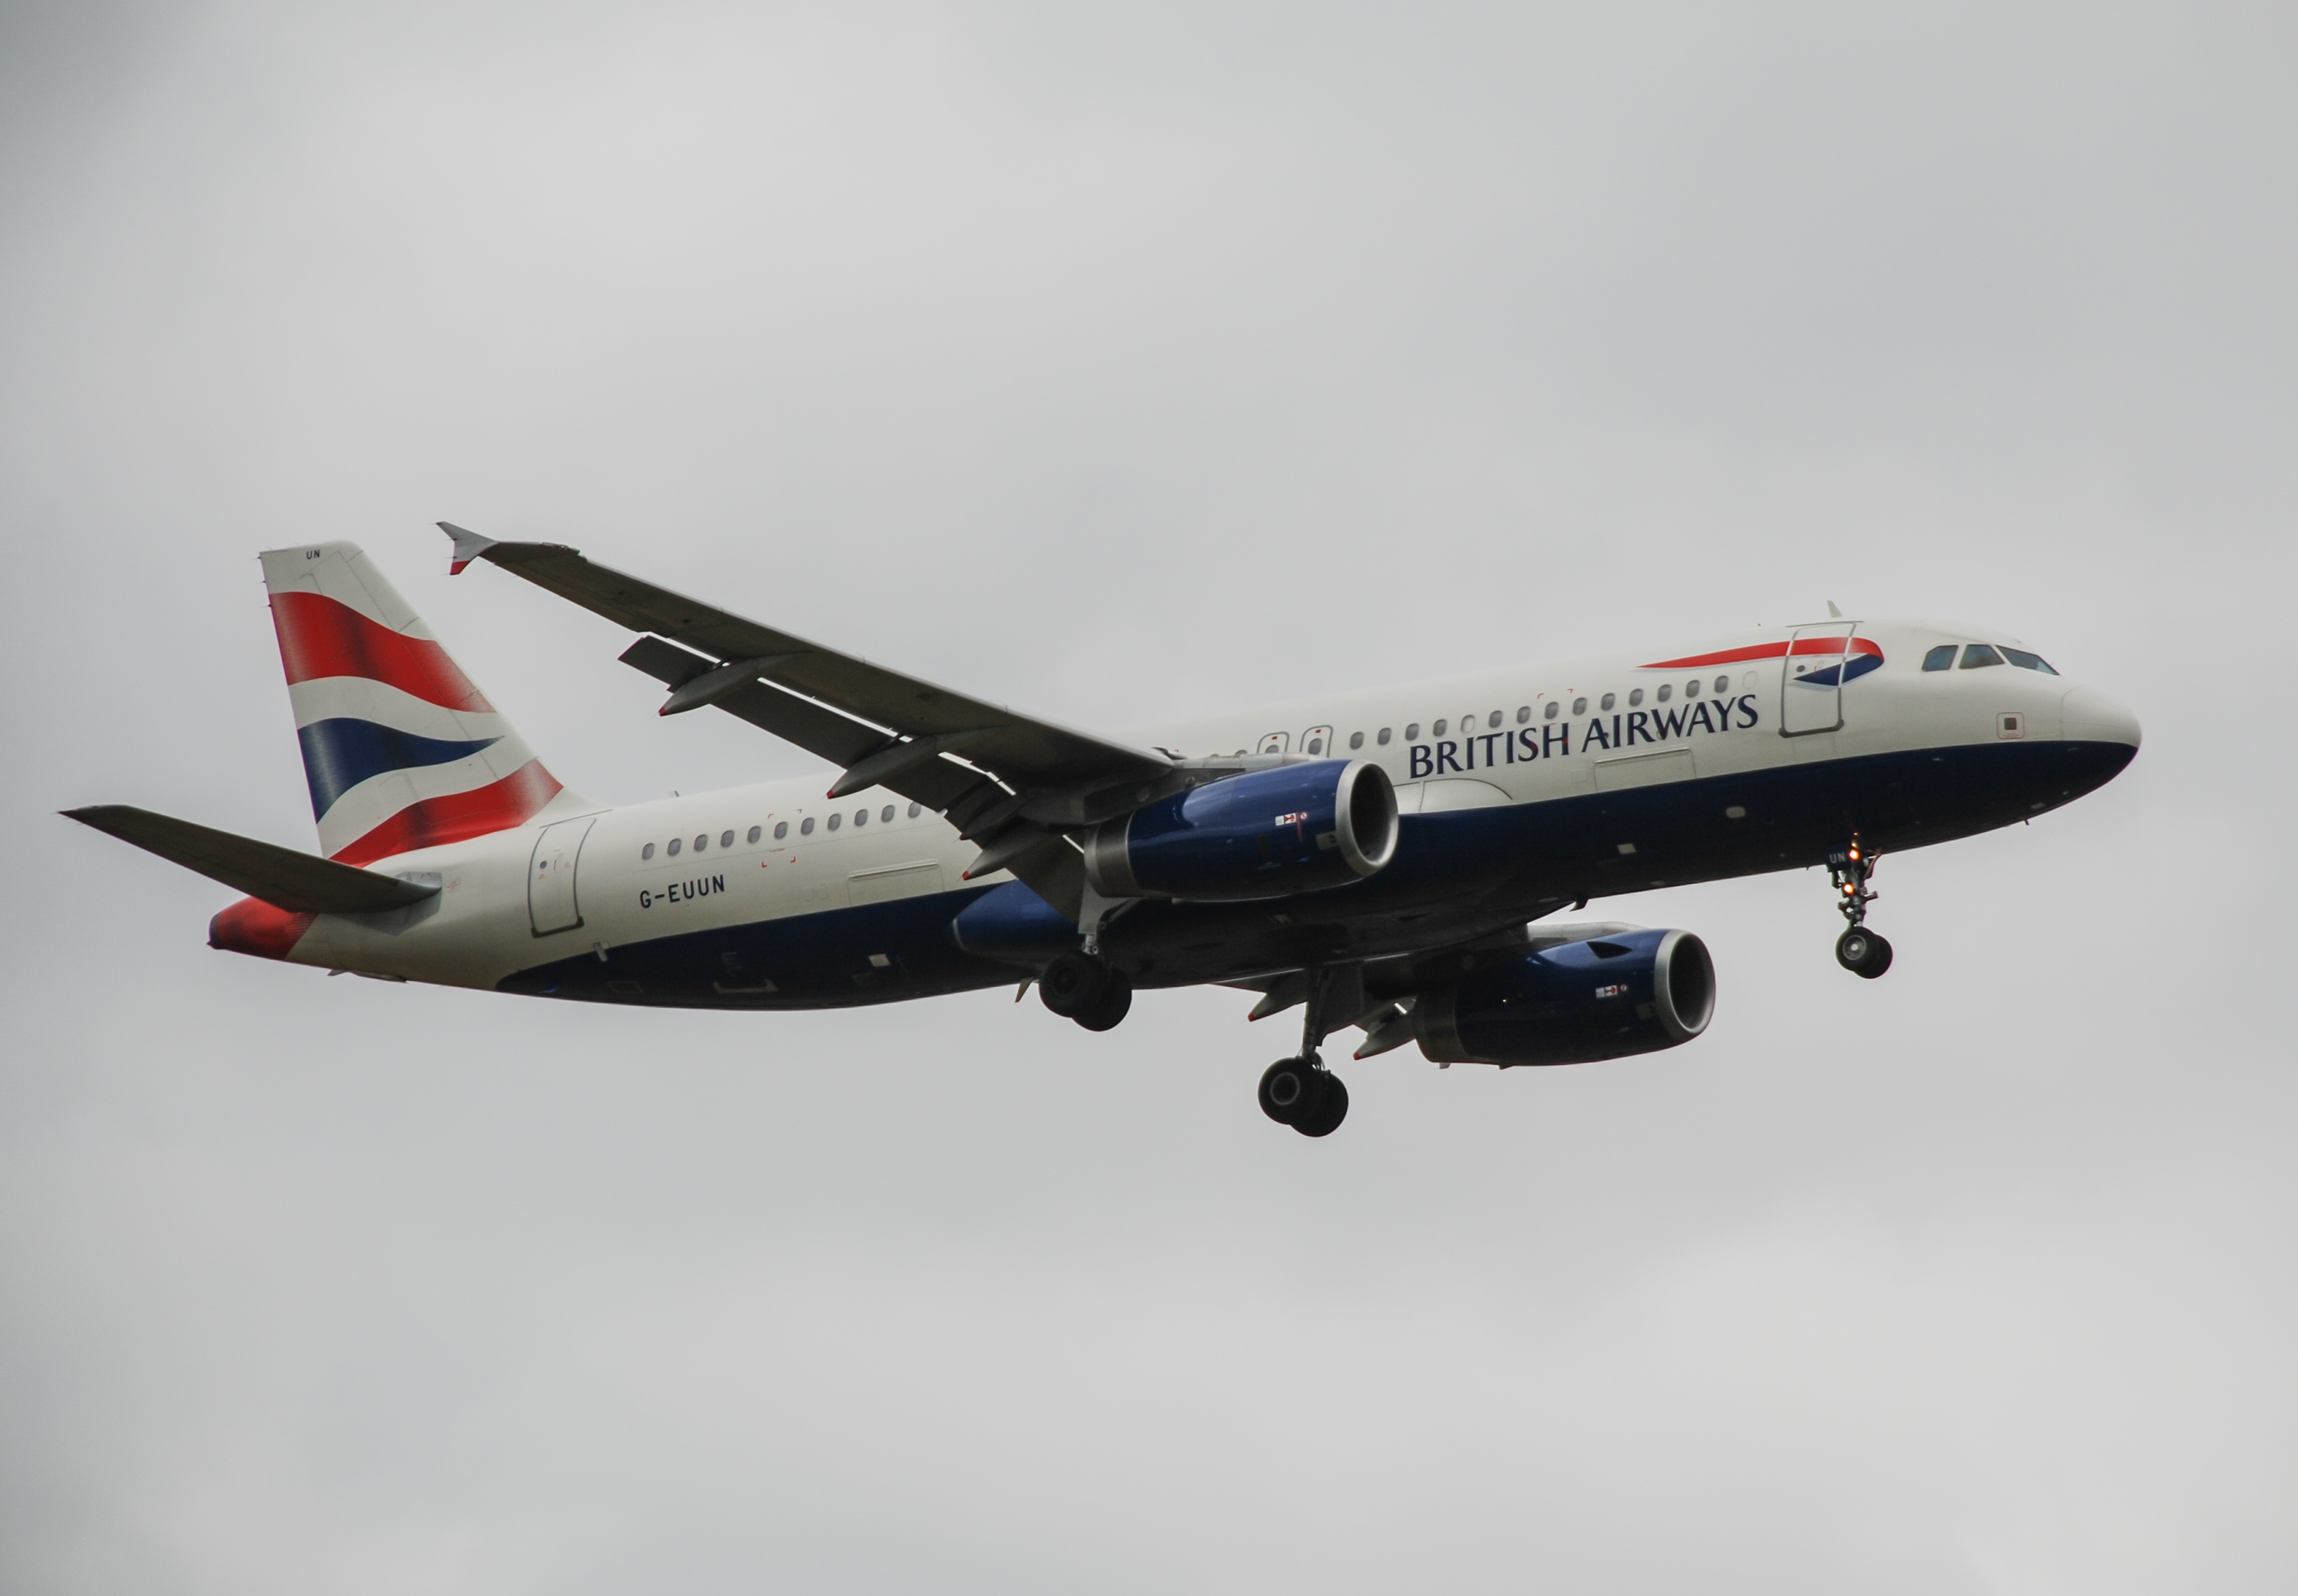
[[298, 882]]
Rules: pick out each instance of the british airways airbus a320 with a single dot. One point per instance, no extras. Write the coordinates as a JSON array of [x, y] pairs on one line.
[[1382, 860]]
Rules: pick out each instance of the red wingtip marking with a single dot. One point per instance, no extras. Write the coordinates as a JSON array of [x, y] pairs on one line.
[[455, 566]]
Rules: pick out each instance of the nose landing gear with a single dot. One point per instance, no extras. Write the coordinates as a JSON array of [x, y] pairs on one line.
[[1863, 953]]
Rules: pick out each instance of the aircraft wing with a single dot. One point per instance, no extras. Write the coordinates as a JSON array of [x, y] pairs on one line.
[[1010, 781]]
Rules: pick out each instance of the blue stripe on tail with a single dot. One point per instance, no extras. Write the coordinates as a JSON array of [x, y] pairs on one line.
[[338, 754]]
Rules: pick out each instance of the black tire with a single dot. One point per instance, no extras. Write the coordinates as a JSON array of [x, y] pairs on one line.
[[1863, 952], [1292, 1088], [1116, 1001], [1327, 1115], [1074, 985]]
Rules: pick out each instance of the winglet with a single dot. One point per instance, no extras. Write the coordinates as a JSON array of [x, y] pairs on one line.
[[468, 547]]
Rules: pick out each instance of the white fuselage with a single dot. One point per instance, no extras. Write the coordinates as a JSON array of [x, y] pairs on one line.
[[1554, 739]]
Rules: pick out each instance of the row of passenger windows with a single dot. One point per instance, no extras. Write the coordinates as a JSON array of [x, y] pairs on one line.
[[1979, 655], [1314, 743], [781, 830]]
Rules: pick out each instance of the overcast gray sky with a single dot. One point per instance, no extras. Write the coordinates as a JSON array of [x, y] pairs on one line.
[[1118, 363]]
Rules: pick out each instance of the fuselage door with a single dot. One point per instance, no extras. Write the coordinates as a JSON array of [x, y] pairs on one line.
[[1811, 683], [1317, 741], [1274, 742], [551, 905]]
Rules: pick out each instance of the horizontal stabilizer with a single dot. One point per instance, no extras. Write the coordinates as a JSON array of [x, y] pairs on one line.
[[301, 883]]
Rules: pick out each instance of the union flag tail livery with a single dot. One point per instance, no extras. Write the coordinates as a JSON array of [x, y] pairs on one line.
[[400, 750], [1386, 859]]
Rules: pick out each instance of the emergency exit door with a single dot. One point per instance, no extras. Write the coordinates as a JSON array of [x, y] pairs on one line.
[[551, 903]]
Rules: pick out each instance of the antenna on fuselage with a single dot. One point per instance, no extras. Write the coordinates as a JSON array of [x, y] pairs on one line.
[[1832, 611]]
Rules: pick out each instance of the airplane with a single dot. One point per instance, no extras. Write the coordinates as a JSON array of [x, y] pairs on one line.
[[1382, 860]]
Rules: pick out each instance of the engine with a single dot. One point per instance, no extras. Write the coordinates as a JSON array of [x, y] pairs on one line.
[[1635, 991], [1297, 828]]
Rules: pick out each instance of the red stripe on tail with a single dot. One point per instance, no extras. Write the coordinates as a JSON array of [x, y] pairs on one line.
[[495, 807], [319, 636]]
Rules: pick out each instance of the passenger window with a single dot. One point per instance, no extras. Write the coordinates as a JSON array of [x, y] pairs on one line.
[[756, 832], [701, 842], [916, 810], [1356, 741], [726, 839], [1412, 731], [647, 852], [1382, 738], [834, 820], [1665, 689], [1523, 713], [1723, 683], [1977, 656], [782, 830], [806, 826], [861, 817], [1549, 713], [1691, 690], [1635, 697], [1316, 744], [674, 847], [1942, 658], [2029, 662], [1438, 728], [1609, 699], [1493, 721], [887, 814], [1579, 706]]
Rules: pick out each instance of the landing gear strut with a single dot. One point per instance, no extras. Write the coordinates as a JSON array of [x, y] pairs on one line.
[[1863, 952], [1300, 1092], [1086, 990]]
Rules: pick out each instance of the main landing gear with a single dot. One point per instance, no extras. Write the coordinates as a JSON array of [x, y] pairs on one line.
[[1078, 987], [1300, 1092], [1863, 952]]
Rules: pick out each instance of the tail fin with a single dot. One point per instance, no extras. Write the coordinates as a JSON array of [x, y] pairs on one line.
[[400, 750]]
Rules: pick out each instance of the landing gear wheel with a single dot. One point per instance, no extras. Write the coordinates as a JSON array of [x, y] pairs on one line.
[[1863, 953], [1292, 1089], [1325, 1118], [1858, 949], [1116, 999], [1074, 985]]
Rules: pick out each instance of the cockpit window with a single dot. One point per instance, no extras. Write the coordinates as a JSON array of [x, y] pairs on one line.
[[1942, 658], [2029, 662], [1975, 655]]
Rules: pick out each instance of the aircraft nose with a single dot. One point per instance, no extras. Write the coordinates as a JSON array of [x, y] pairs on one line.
[[2088, 716]]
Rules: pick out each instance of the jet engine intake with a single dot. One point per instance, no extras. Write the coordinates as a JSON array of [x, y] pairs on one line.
[[1268, 834], [1606, 998]]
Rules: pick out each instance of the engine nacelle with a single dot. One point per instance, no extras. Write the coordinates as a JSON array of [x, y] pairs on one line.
[[1267, 833], [1606, 997]]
